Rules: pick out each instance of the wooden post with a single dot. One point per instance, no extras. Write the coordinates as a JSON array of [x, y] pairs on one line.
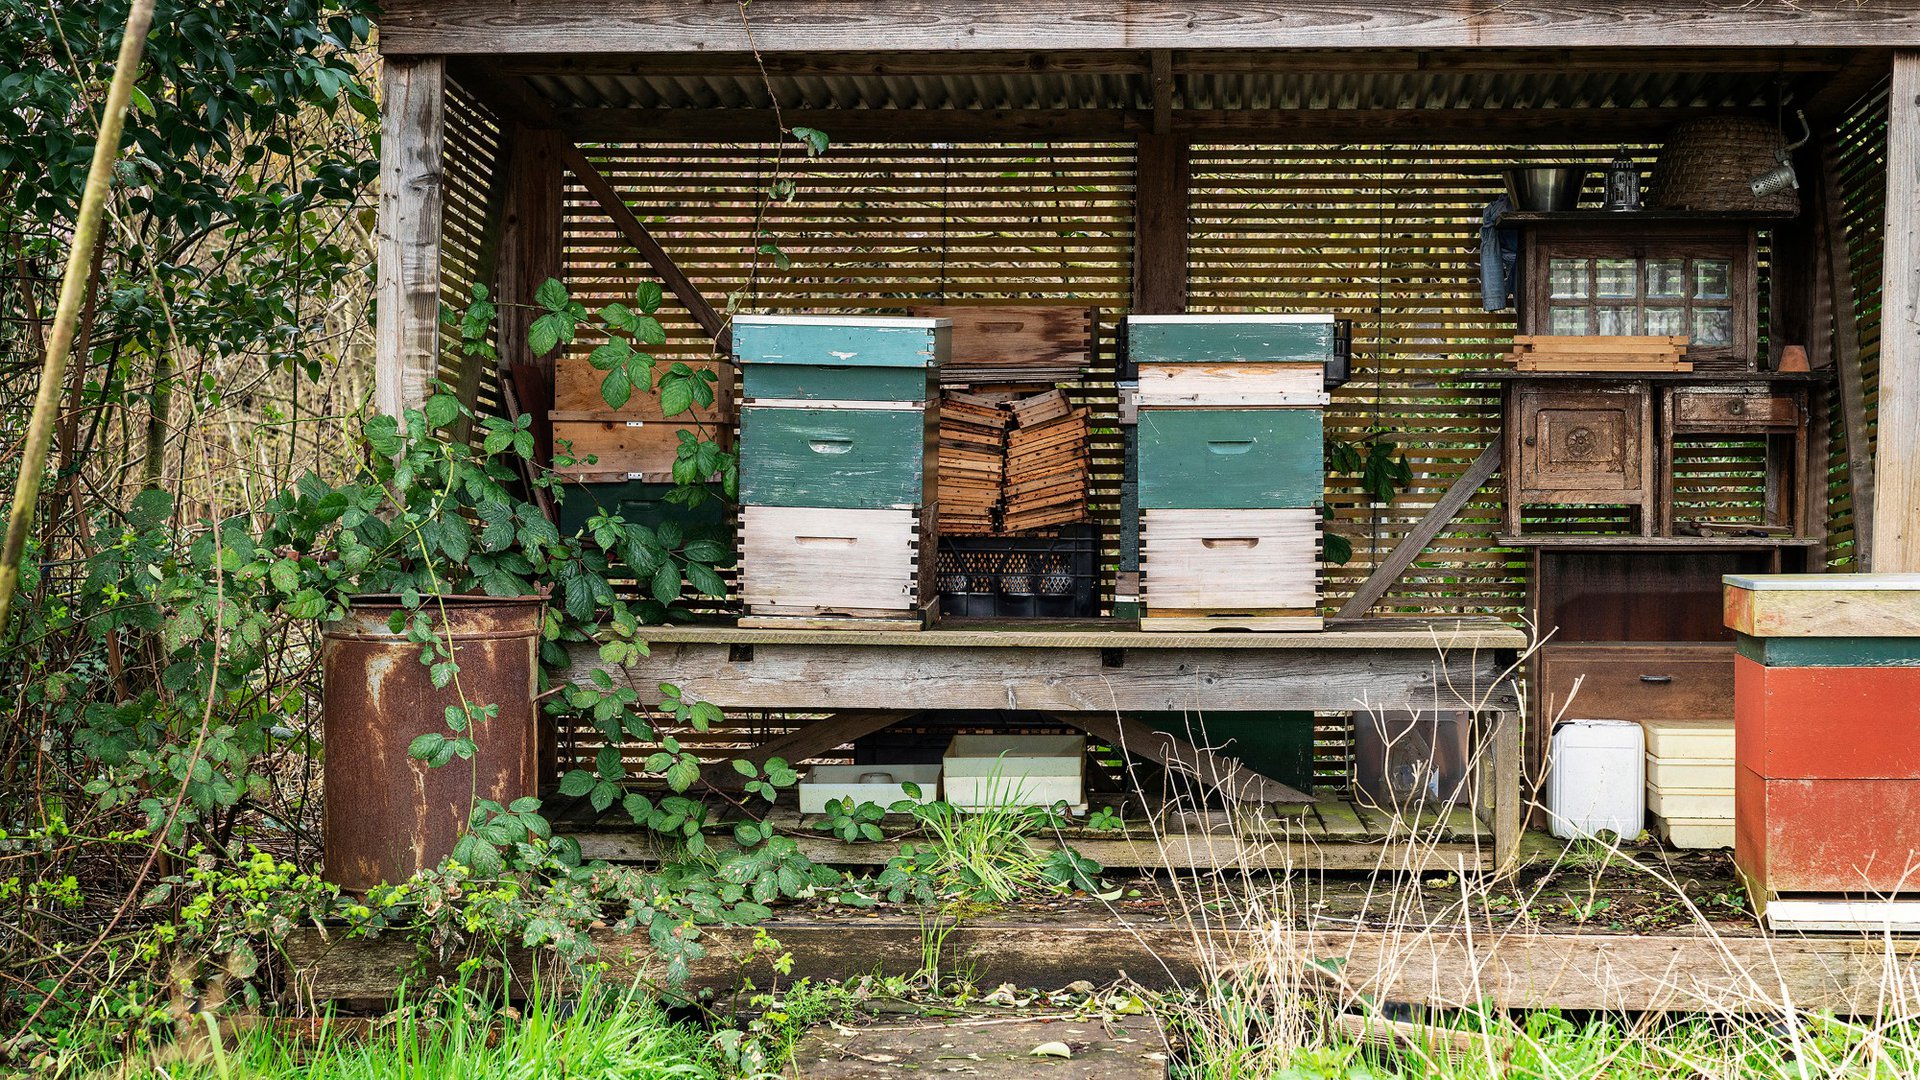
[[412, 194], [1163, 175], [531, 251], [1896, 473]]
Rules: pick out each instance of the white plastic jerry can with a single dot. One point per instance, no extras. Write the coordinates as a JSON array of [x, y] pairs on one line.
[[1596, 779]]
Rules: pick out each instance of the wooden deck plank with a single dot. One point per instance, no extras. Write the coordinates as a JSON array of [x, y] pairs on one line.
[[1463, 634], [1446, 968]]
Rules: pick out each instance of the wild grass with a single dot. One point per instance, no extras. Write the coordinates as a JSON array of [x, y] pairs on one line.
[[457, 1037]]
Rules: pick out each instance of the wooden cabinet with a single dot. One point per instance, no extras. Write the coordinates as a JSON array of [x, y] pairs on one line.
[[1678, 680], [1579, 444]]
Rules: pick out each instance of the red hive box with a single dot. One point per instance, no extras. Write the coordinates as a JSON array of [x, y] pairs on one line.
[[1827, 732]]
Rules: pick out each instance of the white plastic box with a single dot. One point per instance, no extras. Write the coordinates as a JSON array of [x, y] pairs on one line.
[[825, 783], [1596, 779], [1015, 770]]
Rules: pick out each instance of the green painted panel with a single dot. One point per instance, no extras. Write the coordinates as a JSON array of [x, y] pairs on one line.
[[843, 458], [641, 503], [845, 343], [1832, 651], [1153, 342], [821, 382], [1238, 459], [1274, 744]]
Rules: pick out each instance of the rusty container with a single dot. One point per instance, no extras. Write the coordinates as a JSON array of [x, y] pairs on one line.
[[386, 814]]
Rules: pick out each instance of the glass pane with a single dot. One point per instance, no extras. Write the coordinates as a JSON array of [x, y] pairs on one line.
[[1712, 279], [1619, 320], [1567, 278], [1562, 319], [1712, 326], [1666, 320], [1616, 277], [1666, 280]]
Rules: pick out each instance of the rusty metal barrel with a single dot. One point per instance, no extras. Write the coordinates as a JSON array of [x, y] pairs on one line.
[[388, 815]]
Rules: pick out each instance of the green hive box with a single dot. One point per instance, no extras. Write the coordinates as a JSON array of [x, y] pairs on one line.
[[1240, 459], [854, 459], [1277, 745], [1213, 339]]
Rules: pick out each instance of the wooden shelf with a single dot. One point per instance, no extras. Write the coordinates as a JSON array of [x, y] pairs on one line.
[[1630, 218], [1662, 543], [1716, 377]]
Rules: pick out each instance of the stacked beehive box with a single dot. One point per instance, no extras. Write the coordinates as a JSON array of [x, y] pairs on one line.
[[1690, 782], [839, 436], [622, 459], [1231, 468], [1046, 463], [973, 463], [1827, 765]]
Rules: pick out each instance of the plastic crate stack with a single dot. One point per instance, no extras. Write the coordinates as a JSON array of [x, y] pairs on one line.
[[1231, 468], [839, 432]]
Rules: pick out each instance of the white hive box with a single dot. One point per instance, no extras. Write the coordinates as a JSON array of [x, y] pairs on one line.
[[1690, 783], [825, 783], [983, 771]]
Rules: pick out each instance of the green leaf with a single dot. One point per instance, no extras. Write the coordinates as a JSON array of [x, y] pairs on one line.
[[285, 576], [551, 295], [577, 782], [676, 396], [745, 767], [616, 389], [425, 746], [815, 139], [648, 331], [683, 773], [442, 410], [705, 581], [707, 551], [647, 296], [608, 764], [666, 583], [610, 356], [548, 331]]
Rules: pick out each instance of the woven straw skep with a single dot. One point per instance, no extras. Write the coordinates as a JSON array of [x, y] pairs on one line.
[[1708, 165]]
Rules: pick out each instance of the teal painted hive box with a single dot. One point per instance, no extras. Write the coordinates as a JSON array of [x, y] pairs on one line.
[[859, 459], [1249, 459], [1212, 339], [869, 351]]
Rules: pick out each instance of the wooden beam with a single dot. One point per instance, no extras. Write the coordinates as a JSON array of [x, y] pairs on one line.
[[531, 252], [804, 677], [412, 199], [1161, 91], [1831, 96], [508, 96], [1137, 62], [1213, 125], [1896, 466], [1162, 190], [649, 248], [810, 740], [1849, 376], [1446, 967], [1215, 772], [787, 26], [1423, 533]]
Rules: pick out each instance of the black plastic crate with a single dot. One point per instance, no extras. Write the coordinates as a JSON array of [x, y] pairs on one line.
[[1055, 576]]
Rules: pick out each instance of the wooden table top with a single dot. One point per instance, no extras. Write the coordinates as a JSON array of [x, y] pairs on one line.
[[1465, 632]]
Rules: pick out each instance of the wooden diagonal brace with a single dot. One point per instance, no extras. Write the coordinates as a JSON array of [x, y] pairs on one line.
[[1212, 770], [1423, 533]]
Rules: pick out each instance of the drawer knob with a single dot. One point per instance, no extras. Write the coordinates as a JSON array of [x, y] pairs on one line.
[[1737, 406], [1659, 679], [830, 446], [1229, 446], [1231, 542]]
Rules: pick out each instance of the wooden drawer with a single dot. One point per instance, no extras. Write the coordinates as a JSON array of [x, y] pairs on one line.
[[576, 395], [1667, 681], [842, 340], [1230, 560], [765, 383], [825, 457], [1734, 410], [622, 449], [1234, 385], [1216, 459], [814, 561], [1233, 338]]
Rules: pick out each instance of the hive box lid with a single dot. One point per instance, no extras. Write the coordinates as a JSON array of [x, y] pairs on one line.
[[1823, 605], [1205, 339], [842, 340]]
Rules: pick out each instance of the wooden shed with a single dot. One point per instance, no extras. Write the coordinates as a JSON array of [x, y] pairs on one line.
[[1213, 156]]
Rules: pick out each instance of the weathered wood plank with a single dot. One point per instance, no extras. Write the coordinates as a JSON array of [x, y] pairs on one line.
[[412, 198], [1448, 968], [782, 26], [530, 243], [1297, 126], [1896, 464], [1163, 179], [809, 740], [1432, 525], [1423, 635], [802, 677]]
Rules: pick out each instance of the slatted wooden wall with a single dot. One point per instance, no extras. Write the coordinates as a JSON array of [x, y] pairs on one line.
[[1862, 139], [1385, 236], [469, 236]]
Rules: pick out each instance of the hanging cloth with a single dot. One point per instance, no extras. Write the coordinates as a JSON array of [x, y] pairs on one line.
[[1499, 258]]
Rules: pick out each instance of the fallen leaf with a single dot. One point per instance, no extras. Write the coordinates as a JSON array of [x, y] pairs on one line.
[[1051, 1049]]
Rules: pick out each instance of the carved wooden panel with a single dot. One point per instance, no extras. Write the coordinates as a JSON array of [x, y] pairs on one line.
[[1579, 444]]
